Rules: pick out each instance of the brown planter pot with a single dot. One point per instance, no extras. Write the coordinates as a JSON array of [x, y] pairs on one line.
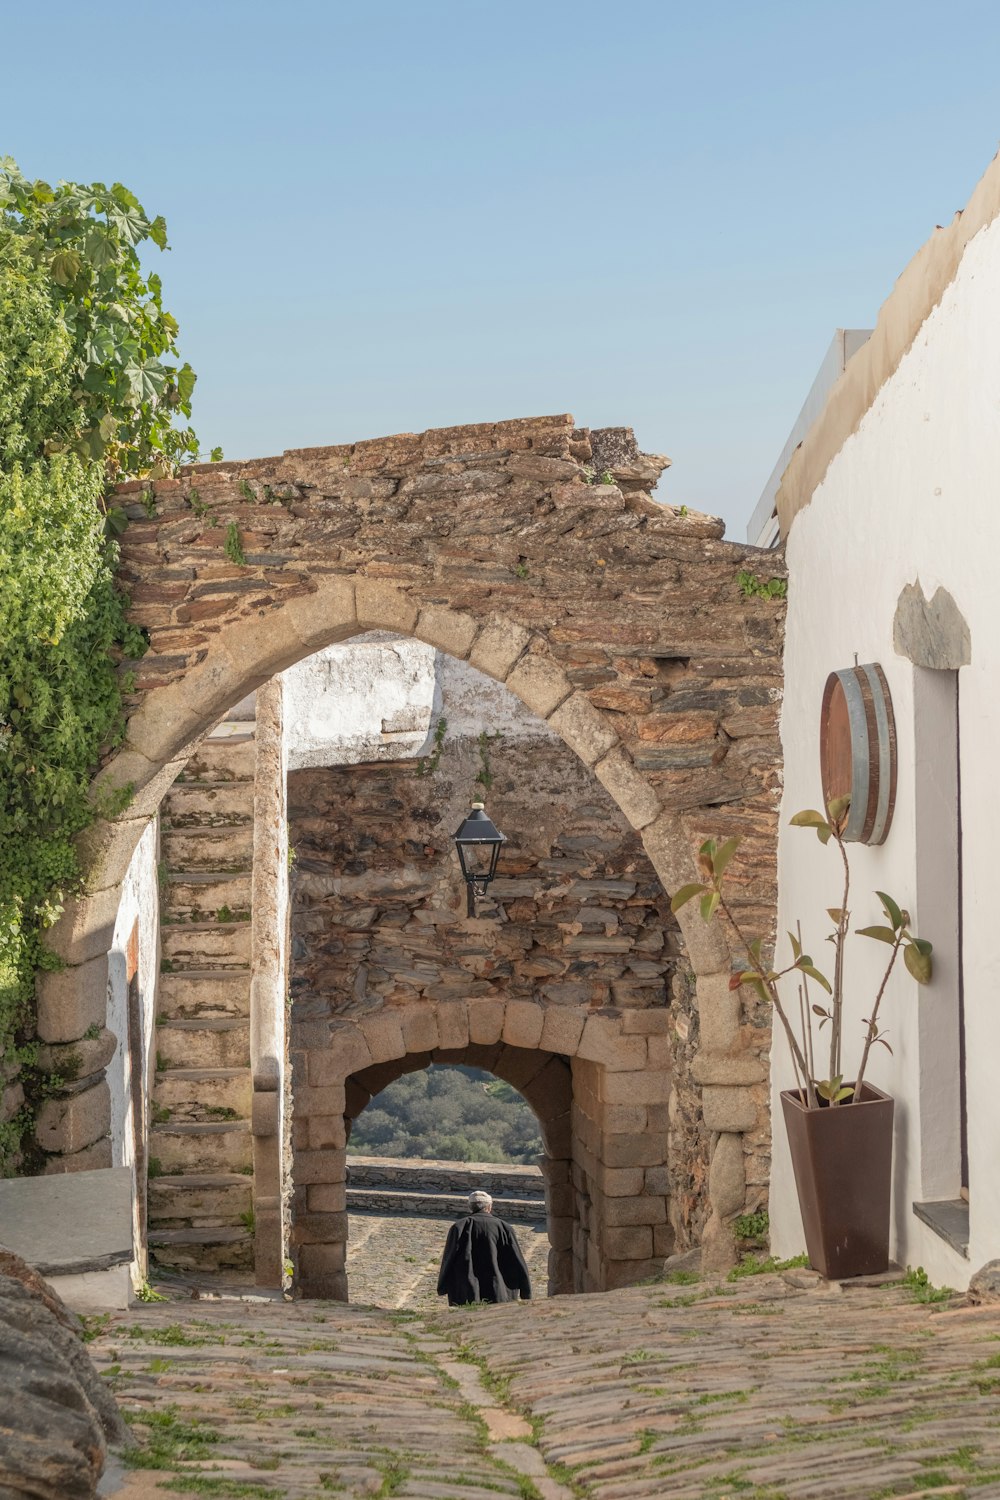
[[842, 1158]]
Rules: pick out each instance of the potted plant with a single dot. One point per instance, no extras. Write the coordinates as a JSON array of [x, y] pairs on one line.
[[839, 1133]]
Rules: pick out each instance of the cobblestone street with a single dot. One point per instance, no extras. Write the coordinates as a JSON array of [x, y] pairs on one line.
[[772, 1387]]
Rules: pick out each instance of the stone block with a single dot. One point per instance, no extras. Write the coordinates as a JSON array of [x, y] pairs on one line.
[[318, 1166], [728, 1109], [447, 629], [420, 1028], [318, 1101], [718, 1013], [326, 615], [498, 646], [621, 1212], [326, 1131], [540, 684], [557, 1135], [603, 1042], [320, 1272], [453, 1024], [562, 1027], [620, 1119], [67, 1125], [79, 1059], [654, 1022], [326, 1197], [727, 1176], [619, 1182], [659, 1052], [381, 607], [91, 1159], [584, 728], [560, 1200], [485, 1021], [664, 1239], [265, 1114], [84, 931], [633, 1151], [519, 1066], [384, 1034], [522, 1025], [650, 1087], [346, 1052], [560, 1232], [658, 1180], [619, 1274], [633, 1242], [319, 1229], [629, 788], [550, 1091], [730, 1069]]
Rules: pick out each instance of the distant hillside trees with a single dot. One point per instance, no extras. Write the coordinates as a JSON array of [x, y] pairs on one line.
[[449, 1114]]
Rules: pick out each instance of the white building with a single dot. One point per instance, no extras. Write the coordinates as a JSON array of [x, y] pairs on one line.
[[890, 507]]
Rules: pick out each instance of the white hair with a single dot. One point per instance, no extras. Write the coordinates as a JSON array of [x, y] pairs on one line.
[[480, 1200]]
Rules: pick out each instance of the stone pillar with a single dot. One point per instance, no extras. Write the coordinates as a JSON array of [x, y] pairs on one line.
[[269, 904]]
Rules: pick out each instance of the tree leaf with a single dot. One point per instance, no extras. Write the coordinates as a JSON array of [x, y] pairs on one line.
[[814, 973], [809, 818], [881, 934], [835, 913], [796, 945], [185, 382], [684, 895], [709, 902], [158, 231], [891, 910], [724, 854], [919, 964], [838, 806], [65, 267], [147, 381]]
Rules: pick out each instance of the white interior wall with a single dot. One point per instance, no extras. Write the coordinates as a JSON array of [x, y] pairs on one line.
[[139, 903], [912, 494]]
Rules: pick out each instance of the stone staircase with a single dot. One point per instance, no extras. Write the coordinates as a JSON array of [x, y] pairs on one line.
[[437, 1189], [201, 1147]]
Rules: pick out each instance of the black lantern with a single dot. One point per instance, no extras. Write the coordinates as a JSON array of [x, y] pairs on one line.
[[478, 843]]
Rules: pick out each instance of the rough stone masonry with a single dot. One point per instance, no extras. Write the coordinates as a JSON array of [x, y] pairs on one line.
[[534, 550]]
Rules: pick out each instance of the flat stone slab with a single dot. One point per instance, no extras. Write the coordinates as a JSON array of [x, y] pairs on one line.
[[67, 1225]]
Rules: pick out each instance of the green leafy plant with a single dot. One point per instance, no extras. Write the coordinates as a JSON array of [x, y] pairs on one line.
[[485, 776], [426, 766], [922, 1288], [752, 1226], [752, 587], [145, 1293], [713, 862], [234, 545]]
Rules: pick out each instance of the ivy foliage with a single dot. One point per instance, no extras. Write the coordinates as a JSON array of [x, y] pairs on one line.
[[87, 395]]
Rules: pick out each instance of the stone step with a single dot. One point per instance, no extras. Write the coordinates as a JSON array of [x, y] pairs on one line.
[[200, 1200], [203, 1095], [204, 945], [221, 1249], [219, 804], [202, 1044], [207, 994], [214, 849], [392, 1201], [230, 758], [192, 897], [201, 1148]]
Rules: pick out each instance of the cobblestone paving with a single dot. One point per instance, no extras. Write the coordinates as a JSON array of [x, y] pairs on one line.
[[393, 1261], [755, 1390]]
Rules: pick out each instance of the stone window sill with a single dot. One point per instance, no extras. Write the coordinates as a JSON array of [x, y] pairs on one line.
[[948, 1218]]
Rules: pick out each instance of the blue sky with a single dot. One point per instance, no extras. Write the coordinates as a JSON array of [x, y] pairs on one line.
[[386, 216]]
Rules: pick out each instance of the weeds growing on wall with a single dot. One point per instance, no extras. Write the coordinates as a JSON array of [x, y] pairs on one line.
[[89, 392]]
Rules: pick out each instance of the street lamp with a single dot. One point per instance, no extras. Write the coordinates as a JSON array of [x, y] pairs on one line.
[[478, 843]]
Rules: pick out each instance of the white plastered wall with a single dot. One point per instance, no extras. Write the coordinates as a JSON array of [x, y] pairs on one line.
[[139, 902], [914, 493]]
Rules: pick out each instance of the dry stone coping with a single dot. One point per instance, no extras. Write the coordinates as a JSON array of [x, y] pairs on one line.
[[69, 1223]]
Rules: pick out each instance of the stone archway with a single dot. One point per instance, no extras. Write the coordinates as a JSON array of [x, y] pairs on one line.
[[588, 1077], [531, 549]]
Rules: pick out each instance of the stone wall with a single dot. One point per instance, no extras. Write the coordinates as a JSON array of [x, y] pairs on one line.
[[534, 550], [577, 916]]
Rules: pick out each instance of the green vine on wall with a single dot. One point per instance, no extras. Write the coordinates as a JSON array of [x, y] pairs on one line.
[[426, 767], [90, 391], [485, 777]]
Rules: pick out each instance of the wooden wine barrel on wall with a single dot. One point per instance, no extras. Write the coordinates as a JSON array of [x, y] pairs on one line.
[[857, 750]]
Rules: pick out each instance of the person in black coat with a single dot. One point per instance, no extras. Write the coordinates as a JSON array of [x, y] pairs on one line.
[[482, 1261]]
